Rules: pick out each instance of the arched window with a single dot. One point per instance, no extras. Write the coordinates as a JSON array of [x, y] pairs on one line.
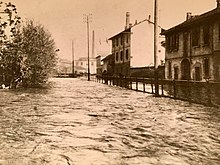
[[126, 54], [116, 56], [121, 56]]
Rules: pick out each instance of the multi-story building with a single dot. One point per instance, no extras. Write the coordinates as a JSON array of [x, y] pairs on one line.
[[133, 47], [121, 49], [193, 48]]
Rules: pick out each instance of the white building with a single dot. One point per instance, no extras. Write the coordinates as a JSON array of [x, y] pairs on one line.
[[142, 45], [83, 63]]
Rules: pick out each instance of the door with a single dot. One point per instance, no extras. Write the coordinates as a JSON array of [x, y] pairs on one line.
[[197, 73]]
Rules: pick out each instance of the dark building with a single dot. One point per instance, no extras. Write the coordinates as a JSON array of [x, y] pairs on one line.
[[108, 65], [121, 50], [193, 48]]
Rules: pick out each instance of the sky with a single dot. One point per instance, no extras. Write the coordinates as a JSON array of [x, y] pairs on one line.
[[64, 18]]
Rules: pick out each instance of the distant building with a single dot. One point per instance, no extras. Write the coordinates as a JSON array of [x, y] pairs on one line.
[[83, 63], [98, 66], [64, 66], [108, 65], [193, 48], [133, 47]]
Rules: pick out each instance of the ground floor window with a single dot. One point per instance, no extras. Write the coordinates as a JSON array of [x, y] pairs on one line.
[[198, 74], [176, 73]]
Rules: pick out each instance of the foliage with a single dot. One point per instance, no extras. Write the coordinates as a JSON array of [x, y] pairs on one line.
[[27, 52], [9, 58], [39, 54]]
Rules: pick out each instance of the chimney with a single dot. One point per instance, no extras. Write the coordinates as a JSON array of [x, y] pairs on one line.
[[218, 3], [127, 25], [188, 15]]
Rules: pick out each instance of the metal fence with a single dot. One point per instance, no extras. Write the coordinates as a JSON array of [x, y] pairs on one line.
[[207, 93]]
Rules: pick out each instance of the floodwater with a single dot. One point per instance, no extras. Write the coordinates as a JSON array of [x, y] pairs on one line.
[[87, 123]]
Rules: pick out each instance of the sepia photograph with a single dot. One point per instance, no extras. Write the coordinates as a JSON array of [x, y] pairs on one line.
[[110, 82]]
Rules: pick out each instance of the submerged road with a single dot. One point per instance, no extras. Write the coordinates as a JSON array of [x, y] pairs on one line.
[[86, 123]]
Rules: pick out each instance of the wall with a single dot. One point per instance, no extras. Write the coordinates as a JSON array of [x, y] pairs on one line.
[[142, 45]]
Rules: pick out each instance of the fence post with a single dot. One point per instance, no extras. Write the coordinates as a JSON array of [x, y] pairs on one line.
[[131, 82], [189, 91], [136, 84], [162, 87], [152, 87], [143, 85], [209, 93], [174, 88]]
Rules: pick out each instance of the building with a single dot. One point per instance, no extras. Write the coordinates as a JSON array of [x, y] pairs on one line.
[[193, 48], [82, 62], [121, 50], [108, 65], [98, 66], [133, 47]]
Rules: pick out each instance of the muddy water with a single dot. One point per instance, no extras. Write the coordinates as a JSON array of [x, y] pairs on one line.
[[78, 123]]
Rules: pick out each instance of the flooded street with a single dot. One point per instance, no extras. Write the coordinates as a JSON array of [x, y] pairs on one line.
[[81, 123]]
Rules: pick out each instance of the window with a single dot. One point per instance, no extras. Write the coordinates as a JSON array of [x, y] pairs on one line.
[[173, 42], [81, 63], [126, 54], [206, 34], [116, 57], [217, 73], [127, 38], [169, 70], [121, 40], [168, 43], [206, 67], [121, 56], [219, 31], [195, 36], [197, 74], [176, 72]]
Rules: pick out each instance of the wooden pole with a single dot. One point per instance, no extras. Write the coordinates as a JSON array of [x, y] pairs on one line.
[[73, 69], [88, 46], [156, 38]]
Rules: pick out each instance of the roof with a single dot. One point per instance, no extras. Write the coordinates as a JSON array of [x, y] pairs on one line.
[[210, 15], [124, 31], [85, 58], [107, 57]]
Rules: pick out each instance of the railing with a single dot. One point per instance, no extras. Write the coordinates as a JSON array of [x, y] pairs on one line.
[[206, 93]]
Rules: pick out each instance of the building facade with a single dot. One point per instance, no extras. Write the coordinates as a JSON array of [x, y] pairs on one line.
[[121, 50], [133, 47], [193, 48], [82, 62]]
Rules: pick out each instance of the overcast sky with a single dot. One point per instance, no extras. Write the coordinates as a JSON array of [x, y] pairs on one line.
[[64, 18]]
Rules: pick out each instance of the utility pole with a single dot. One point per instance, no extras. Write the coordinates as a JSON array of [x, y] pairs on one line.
[[87, 20], [156, 38], [73, 69], [93, 44]]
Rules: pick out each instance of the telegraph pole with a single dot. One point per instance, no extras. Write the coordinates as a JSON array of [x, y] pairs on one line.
[[156, 38], [87, 21], [93, 44], [73, 69]]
